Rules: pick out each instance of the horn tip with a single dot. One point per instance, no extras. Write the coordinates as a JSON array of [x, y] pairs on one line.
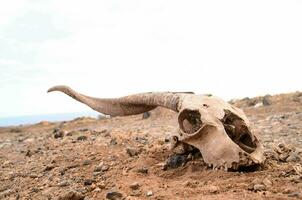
[[57, 88]]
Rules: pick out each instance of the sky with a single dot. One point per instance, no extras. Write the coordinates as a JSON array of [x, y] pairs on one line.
[[232, 49]]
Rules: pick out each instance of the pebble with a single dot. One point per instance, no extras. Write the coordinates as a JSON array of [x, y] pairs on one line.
[[259, 187], [59, 133], [86, 162], [6, 193], [213, 189], [88, 182], [105, 168], [33, 175], [49, 167], [267, 182], [143, 170], [97, 189], [97, 173], [288, 190], [149, 193], [134, 186], [35, 189], [294, 194], [63, 183], [71, 133], [146, 115], [141, 140], [132, 151], [176, 160], [6, 163], [101, 168], [293, 157], [71, 195], [113, 141], [191, 184], [82, 137], [271, 154], [266, 101], [98, 168], [113, 195], [257, 181]]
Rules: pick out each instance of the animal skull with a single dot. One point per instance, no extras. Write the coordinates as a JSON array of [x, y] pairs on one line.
[[219, 130]]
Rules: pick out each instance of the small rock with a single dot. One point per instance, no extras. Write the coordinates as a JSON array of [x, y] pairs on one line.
[[113, 195], [63, 184], [167, 139], [146, 115], [6, 193], [35, 190], [267, 182], [88, 182], [293, 157], [49, 167], [105, 168], [298, 169], [97, 189], [250, 102], [270, 154], [15, 130], [29, 153], [132, 151], [135, 193], [288, 190], [86, 162], [143, 170], [33, 175], [98, 169], [95, 174], [213, 189], [191, 184], [84, 129], [283, 157], [71, 166], [134, 186], [82, 137], [294, 194], [6, 163], [101, 167], [266, 101], [113, 141], [141, 140], [59, 133], [71, 195], [176, 160], [71, 133], [149, 193], [259, 187]]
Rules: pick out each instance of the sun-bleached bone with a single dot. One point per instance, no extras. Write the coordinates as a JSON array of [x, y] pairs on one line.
[[218, 129]]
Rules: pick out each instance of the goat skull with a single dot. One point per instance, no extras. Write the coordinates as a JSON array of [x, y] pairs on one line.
[[219, 130]]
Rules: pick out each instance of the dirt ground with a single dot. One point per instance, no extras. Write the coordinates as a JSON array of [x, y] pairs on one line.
[[123, 158]]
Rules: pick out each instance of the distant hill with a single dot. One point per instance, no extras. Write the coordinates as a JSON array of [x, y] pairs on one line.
[[31, 119]]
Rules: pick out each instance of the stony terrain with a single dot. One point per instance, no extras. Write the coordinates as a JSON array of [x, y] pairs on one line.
[[126, 158]]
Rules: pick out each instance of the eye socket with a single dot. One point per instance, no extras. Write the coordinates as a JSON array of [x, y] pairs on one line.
[[189, 121]]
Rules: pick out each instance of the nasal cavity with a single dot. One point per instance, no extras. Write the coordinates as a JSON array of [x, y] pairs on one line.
[[237, 130]]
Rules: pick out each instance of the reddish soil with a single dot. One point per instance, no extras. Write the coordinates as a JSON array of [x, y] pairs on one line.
[[122, 158]]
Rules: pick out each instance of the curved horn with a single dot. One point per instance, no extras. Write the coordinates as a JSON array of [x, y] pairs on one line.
[[128, 105]]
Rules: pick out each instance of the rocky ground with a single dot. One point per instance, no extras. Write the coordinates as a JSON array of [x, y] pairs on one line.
[[124, 157]]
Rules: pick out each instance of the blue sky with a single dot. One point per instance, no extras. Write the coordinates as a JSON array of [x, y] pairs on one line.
[[113, 48]]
